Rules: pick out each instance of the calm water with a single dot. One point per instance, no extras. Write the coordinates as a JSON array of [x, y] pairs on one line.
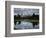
[[25, 25]]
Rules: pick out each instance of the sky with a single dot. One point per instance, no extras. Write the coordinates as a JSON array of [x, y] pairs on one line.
[[25, 11]]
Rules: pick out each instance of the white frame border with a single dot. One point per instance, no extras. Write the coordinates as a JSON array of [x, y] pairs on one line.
[[30, 30]]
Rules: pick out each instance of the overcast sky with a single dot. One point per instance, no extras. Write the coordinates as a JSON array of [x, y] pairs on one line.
[[25, 11]]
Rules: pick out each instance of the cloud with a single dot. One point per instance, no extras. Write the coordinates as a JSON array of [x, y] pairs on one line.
[[25, 11]]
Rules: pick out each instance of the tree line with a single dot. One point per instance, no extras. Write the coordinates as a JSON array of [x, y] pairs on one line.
[[33, 17]]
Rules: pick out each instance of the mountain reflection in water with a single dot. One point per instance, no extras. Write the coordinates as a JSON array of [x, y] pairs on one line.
[[25, 25]]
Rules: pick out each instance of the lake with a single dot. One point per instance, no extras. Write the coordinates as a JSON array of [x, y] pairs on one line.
[[26, 25]]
